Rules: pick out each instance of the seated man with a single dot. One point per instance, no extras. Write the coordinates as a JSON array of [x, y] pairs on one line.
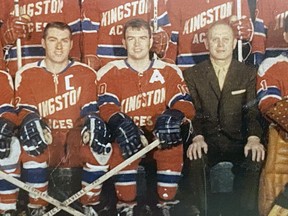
[[226, 126]]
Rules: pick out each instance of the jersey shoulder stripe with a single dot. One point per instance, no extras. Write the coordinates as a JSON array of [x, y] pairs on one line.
[[269, 63]]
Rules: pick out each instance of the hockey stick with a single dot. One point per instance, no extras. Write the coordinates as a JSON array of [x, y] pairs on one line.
[[239, 12], [18, 41], [155, 21], [103, 178], [39, 194]]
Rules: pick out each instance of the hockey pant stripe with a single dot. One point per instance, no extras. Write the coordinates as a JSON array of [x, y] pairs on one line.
[[36, 175], [90, 174], [169, 166], [8, 194]]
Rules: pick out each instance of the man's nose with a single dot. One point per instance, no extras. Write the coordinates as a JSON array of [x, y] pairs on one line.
[[59, 45]]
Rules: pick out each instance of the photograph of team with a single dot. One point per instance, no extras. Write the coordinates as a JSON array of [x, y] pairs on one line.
[[144, 108]]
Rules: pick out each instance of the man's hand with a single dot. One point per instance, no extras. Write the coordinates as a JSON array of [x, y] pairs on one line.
[[168, 128], [198, 145], [256, 148], [96, 133], [160, 43], [93, 61], [16, 27], [126, 134], [243, 28], [6, 133], [35, 135]]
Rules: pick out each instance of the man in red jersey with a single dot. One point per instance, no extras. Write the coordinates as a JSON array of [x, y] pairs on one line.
[[55, 97], [102, 26], [139, 96], [33, 17], [269, 25], [10, 149], [272, 91]]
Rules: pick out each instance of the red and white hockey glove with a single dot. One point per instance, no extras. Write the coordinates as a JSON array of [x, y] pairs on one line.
[[16, 27], [93, 61], [243, 28], [160, 43]]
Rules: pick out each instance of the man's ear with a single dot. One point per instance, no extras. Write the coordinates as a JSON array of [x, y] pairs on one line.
[[234, 43], [206, 43], [124, 43], [43, 43], [151, 42], [71, 46]]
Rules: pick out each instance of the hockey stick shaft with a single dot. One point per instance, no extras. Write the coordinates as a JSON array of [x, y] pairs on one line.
[[155, 15], [239, 43], [103, 178], [18, 41], [39, 194], [155, 20]]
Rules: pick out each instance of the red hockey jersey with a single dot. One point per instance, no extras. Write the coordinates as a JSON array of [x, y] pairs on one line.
[[41, 12], [61, 98], [190, 21], [7, 97], [269, 27], [142, 96], [272, 81], [102, 24]]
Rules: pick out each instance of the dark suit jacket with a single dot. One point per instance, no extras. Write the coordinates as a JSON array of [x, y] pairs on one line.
[[228, 117]]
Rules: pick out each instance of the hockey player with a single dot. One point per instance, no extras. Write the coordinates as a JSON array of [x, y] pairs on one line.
[[9, 146], [226, 127], [269, 23], [190, 21], [102, 26], [34, 15], [54, 96], [272, 90], [138, 96]]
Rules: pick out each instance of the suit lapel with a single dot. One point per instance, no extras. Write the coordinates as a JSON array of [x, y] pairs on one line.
[[231, 78], [212, 79]]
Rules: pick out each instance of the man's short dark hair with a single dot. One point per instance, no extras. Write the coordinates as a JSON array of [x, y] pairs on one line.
[[286, 24], [137, 24], [58, 25]]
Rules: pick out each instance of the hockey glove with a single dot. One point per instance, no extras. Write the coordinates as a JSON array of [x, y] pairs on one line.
[[93, 61], [33, 135], [16, 27], [96, 133], [243, 28], [168, 128], [126, 133], [6, 133], [160, 43]]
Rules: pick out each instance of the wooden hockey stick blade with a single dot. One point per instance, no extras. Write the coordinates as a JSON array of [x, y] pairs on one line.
[[39, 194], [103, 178]]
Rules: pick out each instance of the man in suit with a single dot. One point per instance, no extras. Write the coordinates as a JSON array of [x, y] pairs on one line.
[[226, 128]]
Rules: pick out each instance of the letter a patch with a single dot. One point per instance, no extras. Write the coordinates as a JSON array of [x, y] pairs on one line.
[[157, 76]]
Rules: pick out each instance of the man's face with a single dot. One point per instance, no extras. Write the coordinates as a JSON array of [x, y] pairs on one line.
[[57, 45], [220, 42], [137, 43]]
